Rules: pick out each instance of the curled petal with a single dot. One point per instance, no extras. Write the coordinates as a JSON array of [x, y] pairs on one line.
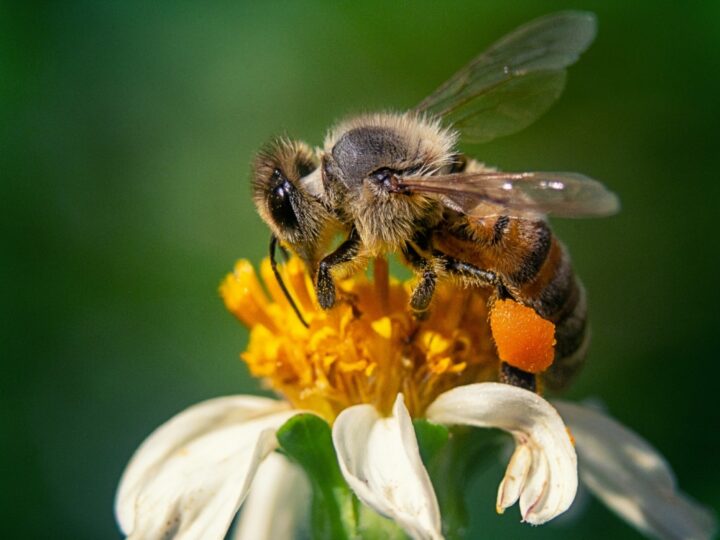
[[277, 504], [515, 477], [632, 478], [542, 472], [380, 460], [188, 479]]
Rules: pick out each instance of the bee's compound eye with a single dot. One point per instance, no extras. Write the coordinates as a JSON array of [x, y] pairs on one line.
[[281, 193], [280, 202]]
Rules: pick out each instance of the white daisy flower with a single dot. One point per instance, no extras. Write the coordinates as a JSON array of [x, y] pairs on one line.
[[356, 367]]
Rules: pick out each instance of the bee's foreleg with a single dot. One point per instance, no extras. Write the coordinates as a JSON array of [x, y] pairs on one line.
[[346, 252]]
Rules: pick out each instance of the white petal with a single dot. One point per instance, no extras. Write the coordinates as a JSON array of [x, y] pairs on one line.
[[190, 476], [632, 478], [278, 503], [515, 477], [543, 470], [380, 460]]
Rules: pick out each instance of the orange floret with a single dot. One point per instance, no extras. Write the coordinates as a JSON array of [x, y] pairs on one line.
[[523, 338]]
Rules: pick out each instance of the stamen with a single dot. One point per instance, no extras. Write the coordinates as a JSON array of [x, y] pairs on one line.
[[368, 347]]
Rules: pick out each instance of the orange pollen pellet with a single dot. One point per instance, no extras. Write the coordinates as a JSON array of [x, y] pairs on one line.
[[523, 338]]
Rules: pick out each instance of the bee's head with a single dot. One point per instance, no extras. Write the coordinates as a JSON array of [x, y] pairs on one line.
[[366, 155], [286, 195]]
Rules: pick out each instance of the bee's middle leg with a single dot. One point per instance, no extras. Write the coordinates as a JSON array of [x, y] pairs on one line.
[[423, 292], [429, 267]]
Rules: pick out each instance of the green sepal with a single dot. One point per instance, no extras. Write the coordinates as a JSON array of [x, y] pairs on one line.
[[453, 458], [336, 512], [431, 438], [306, 440], [373, 526]]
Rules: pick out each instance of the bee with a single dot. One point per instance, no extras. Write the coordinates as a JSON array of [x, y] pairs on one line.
[[396, 183]]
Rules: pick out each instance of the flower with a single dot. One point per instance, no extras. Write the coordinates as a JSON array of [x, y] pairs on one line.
[[369, 368]]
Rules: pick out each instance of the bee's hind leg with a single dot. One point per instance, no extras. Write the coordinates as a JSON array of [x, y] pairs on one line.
[[485, 278], [517, 377], [477, 276]]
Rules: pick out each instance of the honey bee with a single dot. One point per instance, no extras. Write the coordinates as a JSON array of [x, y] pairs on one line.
[[395, 183]]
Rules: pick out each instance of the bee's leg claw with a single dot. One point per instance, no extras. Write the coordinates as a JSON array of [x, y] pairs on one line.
[[517, 377], [421, 315]]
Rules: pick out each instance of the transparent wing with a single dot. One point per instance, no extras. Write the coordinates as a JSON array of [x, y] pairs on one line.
[[482, 194], [516, 80]]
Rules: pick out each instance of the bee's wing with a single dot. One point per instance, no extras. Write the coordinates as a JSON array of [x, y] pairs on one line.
[[482, 194], [511, 84]]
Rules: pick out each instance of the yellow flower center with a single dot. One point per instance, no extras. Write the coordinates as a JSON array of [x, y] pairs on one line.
[[368, 347]]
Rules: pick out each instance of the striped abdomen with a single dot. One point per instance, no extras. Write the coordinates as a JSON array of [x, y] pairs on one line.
[[535, 270]]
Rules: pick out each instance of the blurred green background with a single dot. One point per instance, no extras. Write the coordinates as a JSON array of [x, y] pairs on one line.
[[127, 131]]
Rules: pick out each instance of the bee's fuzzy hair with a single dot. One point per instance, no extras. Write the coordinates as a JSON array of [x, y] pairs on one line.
[[432, 143]]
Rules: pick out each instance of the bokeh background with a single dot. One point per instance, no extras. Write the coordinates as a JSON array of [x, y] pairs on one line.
[[126, 135]]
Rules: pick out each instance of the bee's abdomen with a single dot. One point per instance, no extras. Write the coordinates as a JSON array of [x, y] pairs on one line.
[[572, 335], [557, 295], [536, 270]]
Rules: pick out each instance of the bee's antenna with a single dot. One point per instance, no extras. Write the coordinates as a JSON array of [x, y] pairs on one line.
[[273, 265]]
